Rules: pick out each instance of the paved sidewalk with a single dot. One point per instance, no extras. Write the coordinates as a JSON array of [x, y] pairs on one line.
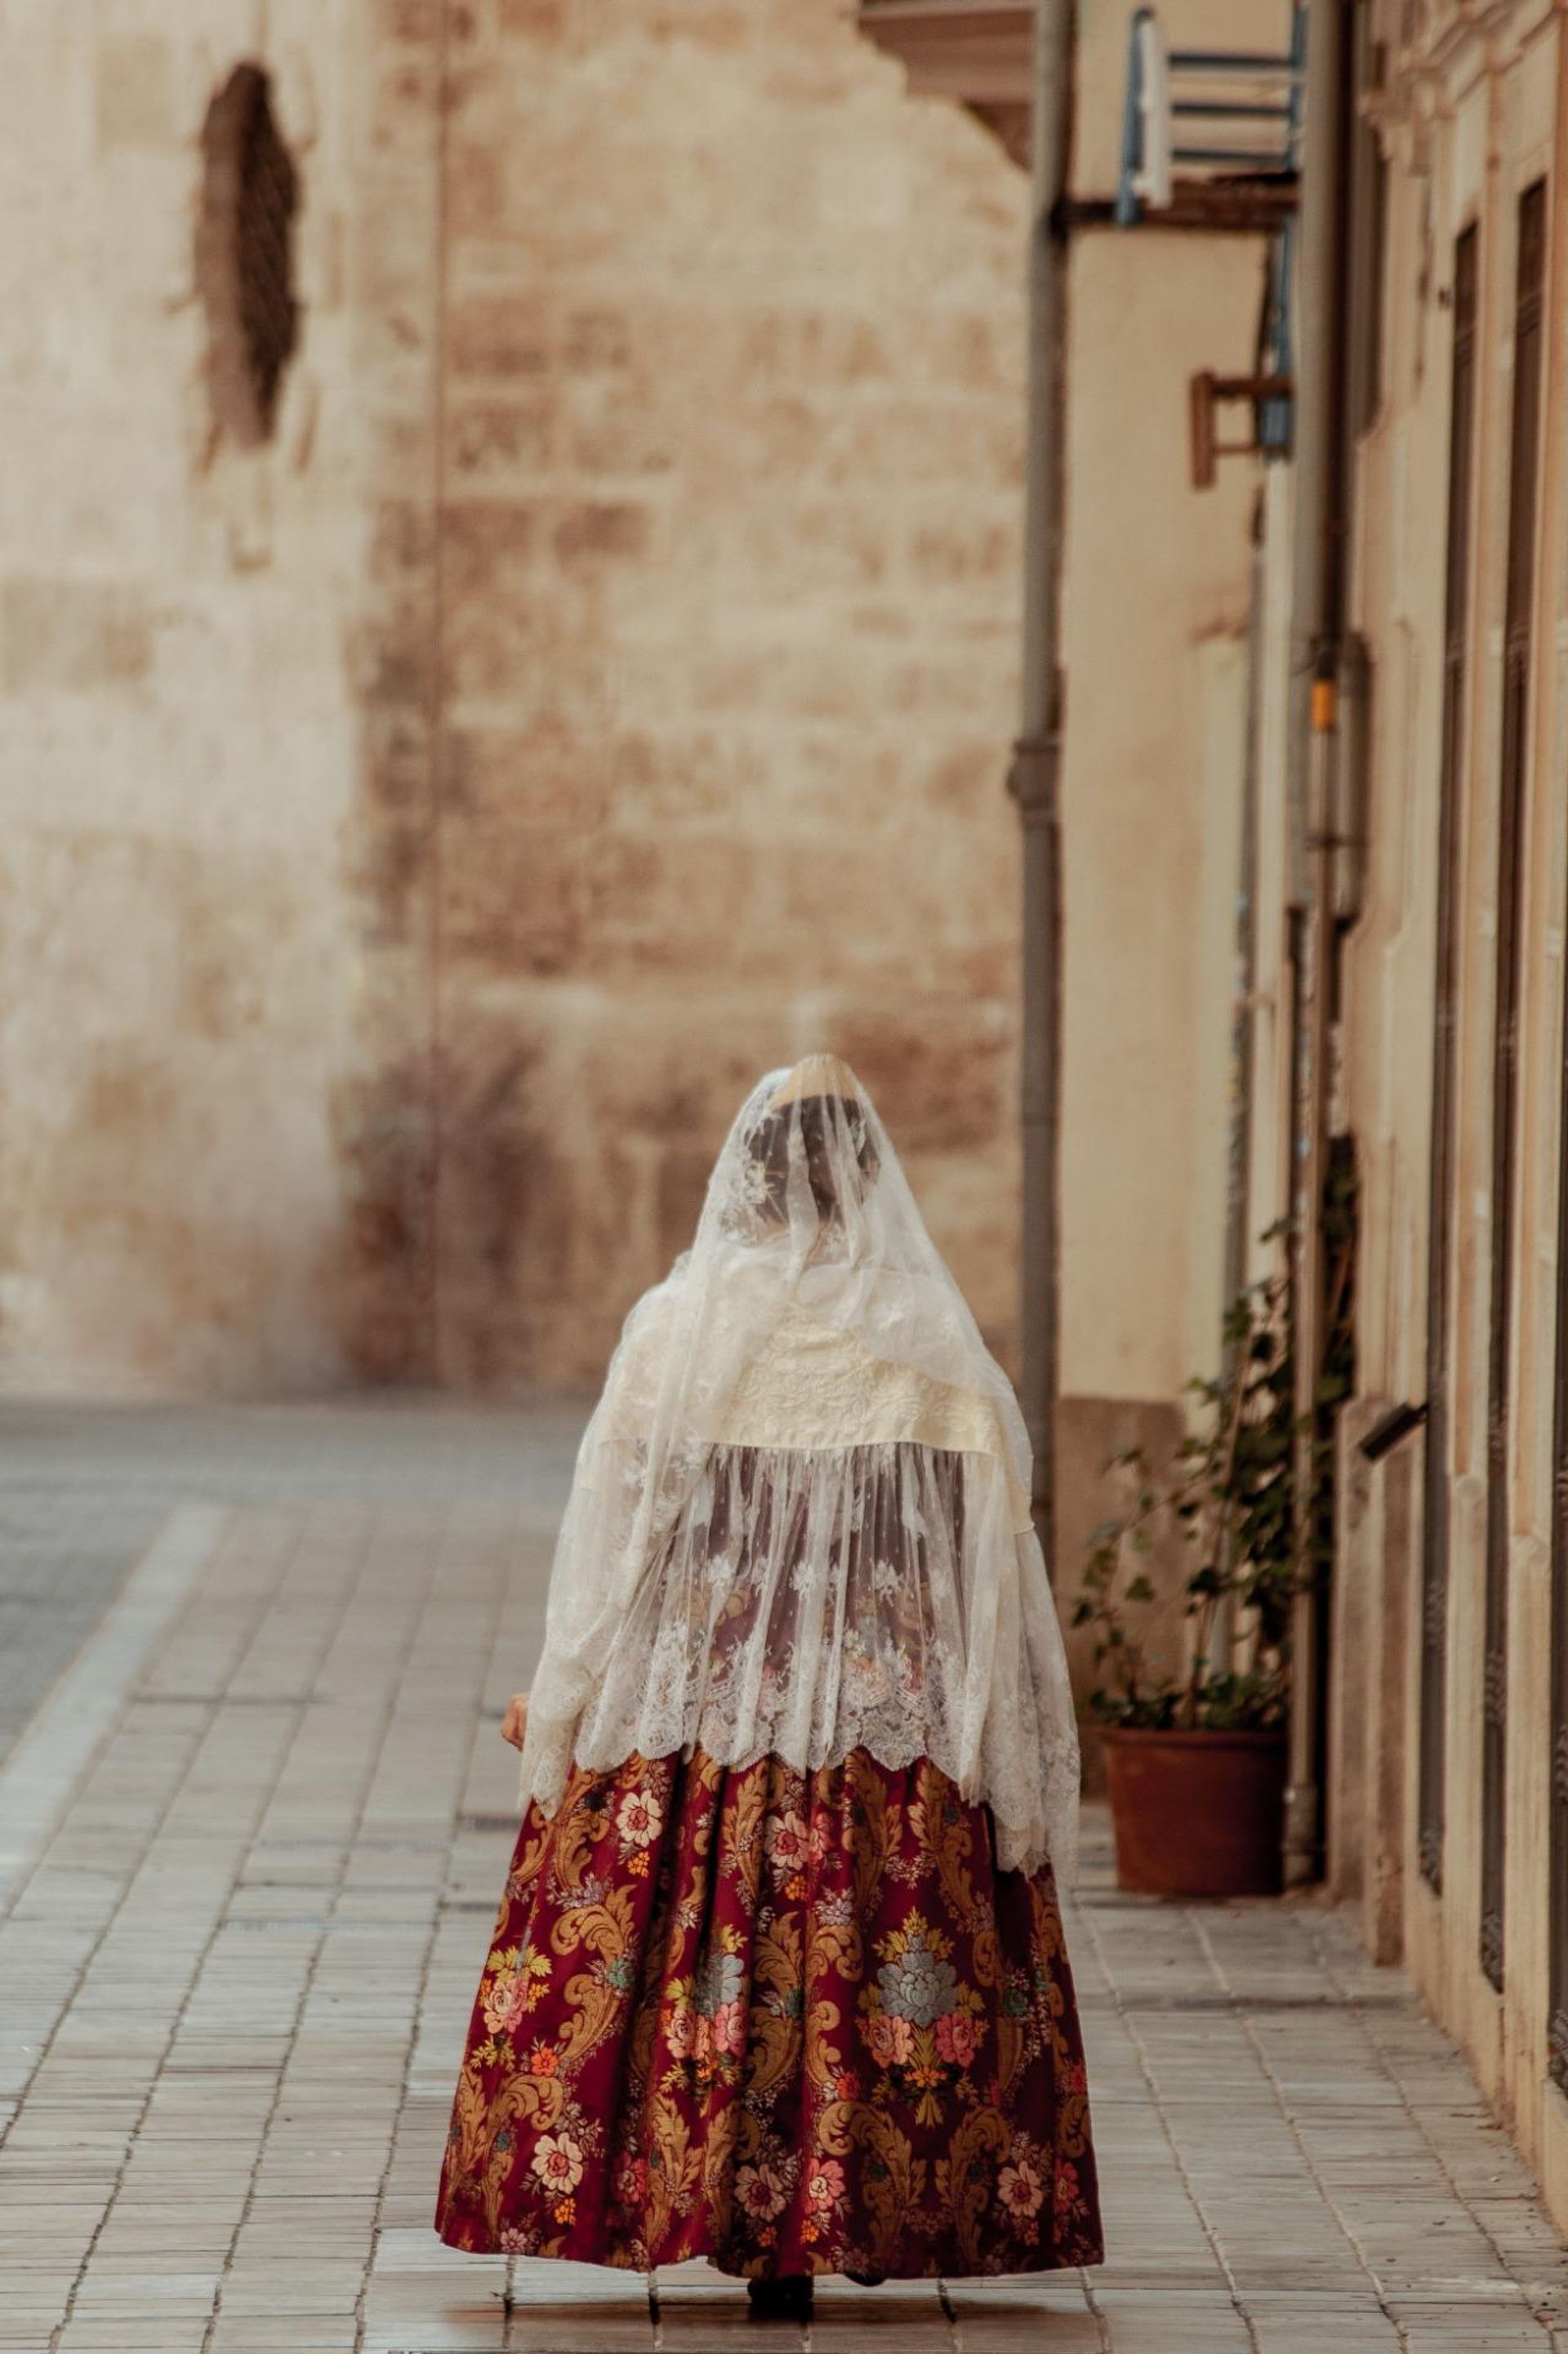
[[84, 1489], [250, 1850]]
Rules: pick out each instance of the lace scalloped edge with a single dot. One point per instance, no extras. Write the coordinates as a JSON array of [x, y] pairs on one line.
[[1026, 1836]]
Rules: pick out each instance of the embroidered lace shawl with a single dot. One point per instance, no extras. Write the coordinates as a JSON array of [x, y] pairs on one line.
[[800, 1518]]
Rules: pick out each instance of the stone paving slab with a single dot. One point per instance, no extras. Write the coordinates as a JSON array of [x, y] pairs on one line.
[[246, 1882], [84, 1489]]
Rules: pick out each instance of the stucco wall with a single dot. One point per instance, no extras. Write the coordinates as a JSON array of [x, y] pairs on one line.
[[1156, 648]]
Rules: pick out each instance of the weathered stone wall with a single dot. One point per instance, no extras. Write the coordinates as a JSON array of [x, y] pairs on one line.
[[730, 517], [420, 829], [181, 702]]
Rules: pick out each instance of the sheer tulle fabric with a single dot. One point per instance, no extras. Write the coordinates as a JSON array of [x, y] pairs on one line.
[[798, 1524]]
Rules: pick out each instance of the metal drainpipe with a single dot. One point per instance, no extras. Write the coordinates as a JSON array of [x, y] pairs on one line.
[[1317, 620], [1035, 774], [1238, 1141], [1238, 1158]]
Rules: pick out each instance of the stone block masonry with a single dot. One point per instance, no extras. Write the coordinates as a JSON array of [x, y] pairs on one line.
[[422, 827], [719, 406], [195, 670]]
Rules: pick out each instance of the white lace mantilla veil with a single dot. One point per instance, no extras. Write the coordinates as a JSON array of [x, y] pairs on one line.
[[800, 1522]]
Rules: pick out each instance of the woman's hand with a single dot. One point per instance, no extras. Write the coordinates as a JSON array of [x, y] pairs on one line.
[[515, 1723]]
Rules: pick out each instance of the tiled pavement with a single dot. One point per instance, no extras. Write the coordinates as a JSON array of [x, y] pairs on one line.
[[84, 1489], [251, 1849]]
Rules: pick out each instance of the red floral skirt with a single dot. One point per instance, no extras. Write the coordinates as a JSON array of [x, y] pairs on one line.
[[793, 2023]]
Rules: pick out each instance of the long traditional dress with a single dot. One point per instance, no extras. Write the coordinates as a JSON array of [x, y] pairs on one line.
[[779, 1975]]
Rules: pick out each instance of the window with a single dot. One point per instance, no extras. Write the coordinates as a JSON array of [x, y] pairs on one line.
[[244, 255]]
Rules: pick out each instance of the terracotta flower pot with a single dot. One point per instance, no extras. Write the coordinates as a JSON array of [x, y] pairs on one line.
[[1196, 1814]]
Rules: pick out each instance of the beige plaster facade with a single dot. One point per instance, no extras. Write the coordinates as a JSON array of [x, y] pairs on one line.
[[1470, 114]]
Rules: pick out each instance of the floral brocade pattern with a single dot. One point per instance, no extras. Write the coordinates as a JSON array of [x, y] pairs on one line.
[[791, 2022]]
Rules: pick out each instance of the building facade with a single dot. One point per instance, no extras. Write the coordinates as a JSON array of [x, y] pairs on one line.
[[429, 805], [1440, 819], [1449, 1796]]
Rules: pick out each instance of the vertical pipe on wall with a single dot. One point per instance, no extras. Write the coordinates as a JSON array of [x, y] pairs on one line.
[[435, 930], [1316, 626], [1034, 779], [1238, 1138], [1238, 1143]]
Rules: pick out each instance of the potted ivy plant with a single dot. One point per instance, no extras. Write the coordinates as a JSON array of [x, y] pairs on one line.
[[1195, 1762]]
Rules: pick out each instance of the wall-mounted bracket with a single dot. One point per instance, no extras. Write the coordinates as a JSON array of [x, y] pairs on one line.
[[1207, 394]]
